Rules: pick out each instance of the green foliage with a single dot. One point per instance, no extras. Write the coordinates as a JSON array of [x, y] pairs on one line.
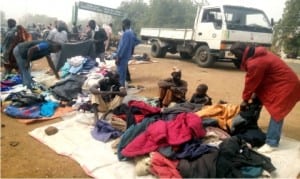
[[158, 13], [287, 31], [136, 11]]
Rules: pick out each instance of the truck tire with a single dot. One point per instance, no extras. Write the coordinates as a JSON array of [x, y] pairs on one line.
[[157, 51], [203, 57], [185, 55]]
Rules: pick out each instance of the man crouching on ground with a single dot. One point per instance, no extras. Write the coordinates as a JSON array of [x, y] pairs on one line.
[[107, 94]]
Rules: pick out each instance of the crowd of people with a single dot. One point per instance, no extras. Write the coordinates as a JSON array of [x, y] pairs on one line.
[[17, 39], [268, 78]]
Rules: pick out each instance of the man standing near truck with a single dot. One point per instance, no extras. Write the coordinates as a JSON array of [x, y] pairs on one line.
[[127, 43], [273, 82]]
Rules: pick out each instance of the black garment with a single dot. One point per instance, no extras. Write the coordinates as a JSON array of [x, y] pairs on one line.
[[107, 84], [171, 112], [68, 89], [85, 48], [201, 99], [100, 36], [23, 99], [234, 154], [245, 125], [202, 167]]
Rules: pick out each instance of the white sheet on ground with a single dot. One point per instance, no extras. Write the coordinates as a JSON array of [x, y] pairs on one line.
[[75, 141], [98, 159]]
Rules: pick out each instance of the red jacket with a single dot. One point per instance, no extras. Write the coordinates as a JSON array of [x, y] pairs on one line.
[[184, 127], [275, 84]]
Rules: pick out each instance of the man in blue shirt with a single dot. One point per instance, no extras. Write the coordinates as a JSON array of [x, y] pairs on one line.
[[27, 52], [125, 49]]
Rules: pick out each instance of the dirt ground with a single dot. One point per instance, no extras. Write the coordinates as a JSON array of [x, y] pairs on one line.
[[32, 159]]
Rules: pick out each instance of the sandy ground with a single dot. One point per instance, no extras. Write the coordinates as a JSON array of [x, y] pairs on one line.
[[31, 159]]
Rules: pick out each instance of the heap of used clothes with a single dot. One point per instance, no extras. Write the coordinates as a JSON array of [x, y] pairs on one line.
[[178, 142]]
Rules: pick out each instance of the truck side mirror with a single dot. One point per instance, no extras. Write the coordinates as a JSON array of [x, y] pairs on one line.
[[272, 22]]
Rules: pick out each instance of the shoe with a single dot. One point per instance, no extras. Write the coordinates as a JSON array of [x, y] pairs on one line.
[[266, 149]]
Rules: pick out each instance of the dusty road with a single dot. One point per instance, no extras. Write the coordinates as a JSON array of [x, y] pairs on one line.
[[32, 159]]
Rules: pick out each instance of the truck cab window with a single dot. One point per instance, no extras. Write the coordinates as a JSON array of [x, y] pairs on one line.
[[213, 16], [246, 19]]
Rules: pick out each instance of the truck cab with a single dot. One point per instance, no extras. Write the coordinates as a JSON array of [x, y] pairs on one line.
[[215, 29]]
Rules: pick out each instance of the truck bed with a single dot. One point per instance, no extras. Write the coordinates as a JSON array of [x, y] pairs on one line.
[[167, 33]]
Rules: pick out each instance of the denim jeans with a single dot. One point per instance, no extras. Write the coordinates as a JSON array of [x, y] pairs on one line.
[[274, 132], [25, 72], [122, 70]]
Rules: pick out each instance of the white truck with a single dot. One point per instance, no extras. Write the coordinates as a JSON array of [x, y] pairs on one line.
[[215, 29]]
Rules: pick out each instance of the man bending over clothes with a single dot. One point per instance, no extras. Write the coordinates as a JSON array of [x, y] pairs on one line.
[[27, 52]]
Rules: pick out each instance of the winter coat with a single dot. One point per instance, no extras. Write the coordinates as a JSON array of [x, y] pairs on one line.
[[274, 83], [184, 127]]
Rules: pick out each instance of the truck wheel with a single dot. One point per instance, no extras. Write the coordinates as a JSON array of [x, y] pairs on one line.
[[185, 55], [203, 57], [157, 51]]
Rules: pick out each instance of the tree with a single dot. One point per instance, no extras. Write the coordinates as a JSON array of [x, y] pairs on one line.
[[159, 13], [136, 11], [287, 31], [171, 13]]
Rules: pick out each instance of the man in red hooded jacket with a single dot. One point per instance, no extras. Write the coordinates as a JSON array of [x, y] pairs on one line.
[[273, 82]]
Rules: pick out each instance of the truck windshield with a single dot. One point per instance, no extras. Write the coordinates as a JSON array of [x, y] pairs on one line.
[[246, 19]]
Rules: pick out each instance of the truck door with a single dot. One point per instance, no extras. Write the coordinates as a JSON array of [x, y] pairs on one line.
[[209, 27]]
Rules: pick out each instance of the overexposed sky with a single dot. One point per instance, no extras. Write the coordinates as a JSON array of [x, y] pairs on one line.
[[62, 9]]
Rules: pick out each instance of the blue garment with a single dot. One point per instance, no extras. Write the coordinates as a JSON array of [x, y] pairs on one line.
[[274, 132], [103, 131], [43, 46], [193, 150], [124, 52], [12, 80], [65, 70], [89, 64], [30, 112], [48, 108], [251, 171]]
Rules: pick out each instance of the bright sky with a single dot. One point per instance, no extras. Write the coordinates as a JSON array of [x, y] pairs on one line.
[[62, 9]]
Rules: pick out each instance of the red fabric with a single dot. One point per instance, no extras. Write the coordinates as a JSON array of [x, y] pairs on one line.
[[275, 84], [144, 107], [163, 167], [166, 133], [138, 118]]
